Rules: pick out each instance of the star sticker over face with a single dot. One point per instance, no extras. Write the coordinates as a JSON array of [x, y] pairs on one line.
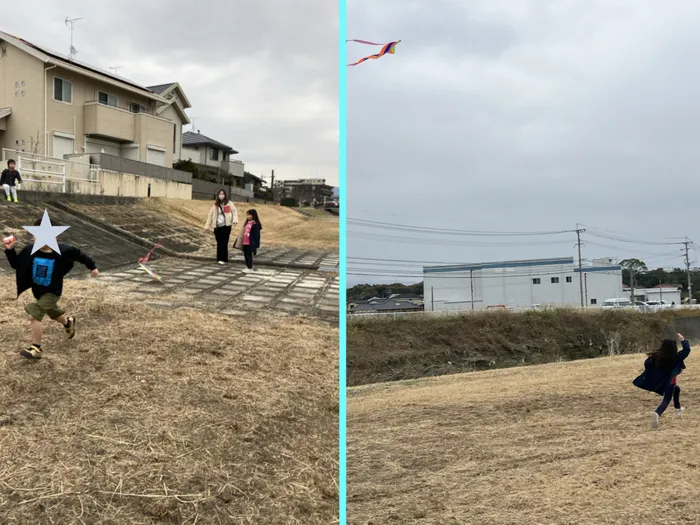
[[45, 234]]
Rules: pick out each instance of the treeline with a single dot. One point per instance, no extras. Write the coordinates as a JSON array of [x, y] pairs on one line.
[[362, 292]]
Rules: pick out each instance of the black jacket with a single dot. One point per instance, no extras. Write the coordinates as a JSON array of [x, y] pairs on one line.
[[9, 177], [22, 262], [657, 379]]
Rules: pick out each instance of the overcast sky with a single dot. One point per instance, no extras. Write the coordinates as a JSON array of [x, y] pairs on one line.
[[261, 75], [525, 115]]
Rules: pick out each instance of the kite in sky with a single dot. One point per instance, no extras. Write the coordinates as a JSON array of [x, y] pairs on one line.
[[389, 48]]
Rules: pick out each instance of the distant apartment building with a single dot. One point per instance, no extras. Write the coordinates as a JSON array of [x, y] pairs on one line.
[[306, 191], [56, 106]]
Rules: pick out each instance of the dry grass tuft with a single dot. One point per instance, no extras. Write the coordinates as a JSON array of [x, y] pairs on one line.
[[556, 444], [384, 349], [155, 416], [281, 226]]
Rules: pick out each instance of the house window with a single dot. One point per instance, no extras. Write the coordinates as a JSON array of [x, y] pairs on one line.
[[555, 280], [107, 99], [62, 90], [568, 279], [536, 281], [214, 154], [594, 301], [174, 139], [135, 107]]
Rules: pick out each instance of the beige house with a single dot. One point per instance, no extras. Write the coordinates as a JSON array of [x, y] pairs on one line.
[[174, 111], [55, 106], [210, 153]]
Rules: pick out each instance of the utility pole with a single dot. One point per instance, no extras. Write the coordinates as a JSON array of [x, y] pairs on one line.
[[579, 231], [632, 285], [687, 269], [471, 278], [272, 185]]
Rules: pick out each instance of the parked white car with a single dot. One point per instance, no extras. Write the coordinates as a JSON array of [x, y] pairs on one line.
[[617, 303], [659, 305]]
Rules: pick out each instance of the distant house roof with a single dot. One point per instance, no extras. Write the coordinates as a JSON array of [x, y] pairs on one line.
[[160, 87], [190, 138], [51, 57], [165, 89]]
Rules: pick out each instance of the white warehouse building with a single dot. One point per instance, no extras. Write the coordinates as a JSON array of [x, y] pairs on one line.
[[520, 284]]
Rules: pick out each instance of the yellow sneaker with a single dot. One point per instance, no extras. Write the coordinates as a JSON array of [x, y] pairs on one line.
[[33, 352]]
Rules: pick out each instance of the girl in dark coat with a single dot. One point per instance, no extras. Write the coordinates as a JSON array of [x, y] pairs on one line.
[[661, 368], [249, 239]]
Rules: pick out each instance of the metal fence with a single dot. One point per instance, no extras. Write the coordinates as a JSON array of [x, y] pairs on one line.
[[135, 167]]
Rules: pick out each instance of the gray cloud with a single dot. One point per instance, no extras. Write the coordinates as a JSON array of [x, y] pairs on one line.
[[261, 74], [512, 116]]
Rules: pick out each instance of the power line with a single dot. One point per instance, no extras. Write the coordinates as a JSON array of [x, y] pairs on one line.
[[438, 242], [405, 227]]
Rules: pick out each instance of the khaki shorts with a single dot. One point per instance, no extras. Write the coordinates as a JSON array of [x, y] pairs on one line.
[[45, 305]]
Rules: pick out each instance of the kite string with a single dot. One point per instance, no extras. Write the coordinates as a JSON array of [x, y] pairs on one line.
[[363, 42]]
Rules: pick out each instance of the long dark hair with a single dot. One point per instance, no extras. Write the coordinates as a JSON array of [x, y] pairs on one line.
[[665, 356], [254, 213], [225, 201]]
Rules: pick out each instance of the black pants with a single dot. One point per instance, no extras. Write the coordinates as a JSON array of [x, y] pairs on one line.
[[673, 391], [222, 235], [248, 256]]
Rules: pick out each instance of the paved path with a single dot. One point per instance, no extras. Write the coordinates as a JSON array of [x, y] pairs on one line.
[[231, 291], [148, 226]]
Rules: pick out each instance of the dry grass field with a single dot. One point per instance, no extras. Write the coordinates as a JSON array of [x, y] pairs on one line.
[[556, 444], [156, 416], [281, 226]]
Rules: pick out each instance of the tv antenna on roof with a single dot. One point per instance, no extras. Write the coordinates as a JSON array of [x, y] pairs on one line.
[[116, 69], [72, 22]]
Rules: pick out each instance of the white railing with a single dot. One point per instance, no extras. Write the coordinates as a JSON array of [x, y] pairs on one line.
[[46, 170]]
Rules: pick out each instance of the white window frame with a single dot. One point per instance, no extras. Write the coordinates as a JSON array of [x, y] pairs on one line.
[[554, 280], [211, 157], [53, 90], [157, 148], [116, 99]]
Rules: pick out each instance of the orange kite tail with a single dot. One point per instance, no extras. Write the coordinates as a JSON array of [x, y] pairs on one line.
[[387, 49]]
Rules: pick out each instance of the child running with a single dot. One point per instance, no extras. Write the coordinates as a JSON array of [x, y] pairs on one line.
[[43, 272], [9, 177], [661, 369], [249, 239]]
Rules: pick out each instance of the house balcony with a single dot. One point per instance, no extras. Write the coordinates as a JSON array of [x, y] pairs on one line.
[[120, 125], [108, 122], [233, 167]]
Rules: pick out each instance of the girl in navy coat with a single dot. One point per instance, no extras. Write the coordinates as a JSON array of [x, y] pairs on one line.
[[249, 239], [661, 368]]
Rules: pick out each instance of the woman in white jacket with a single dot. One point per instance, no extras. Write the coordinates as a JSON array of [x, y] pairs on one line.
[[222, 217]]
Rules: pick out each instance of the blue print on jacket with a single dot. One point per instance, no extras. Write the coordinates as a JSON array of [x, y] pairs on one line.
[[42, 271]]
